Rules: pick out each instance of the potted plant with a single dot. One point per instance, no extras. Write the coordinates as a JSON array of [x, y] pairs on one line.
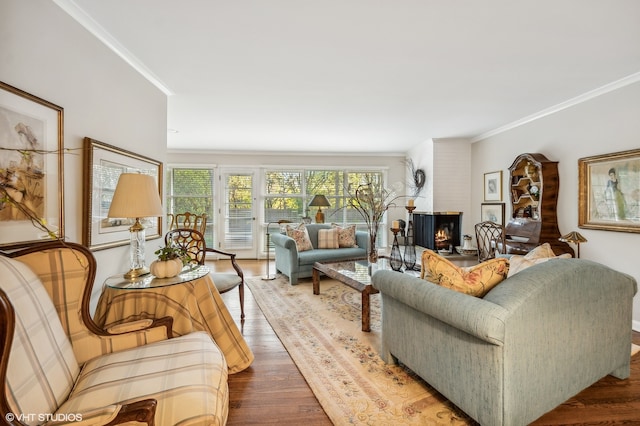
[[170, 261]]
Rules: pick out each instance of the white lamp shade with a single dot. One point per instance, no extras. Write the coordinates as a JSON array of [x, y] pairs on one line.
[[136, 196]]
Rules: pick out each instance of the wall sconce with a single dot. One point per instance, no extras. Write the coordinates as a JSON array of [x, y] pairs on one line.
[[319, 201], [136, 196], [574, 238]]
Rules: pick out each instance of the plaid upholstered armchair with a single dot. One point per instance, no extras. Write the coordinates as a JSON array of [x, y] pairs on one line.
[[55, 363]]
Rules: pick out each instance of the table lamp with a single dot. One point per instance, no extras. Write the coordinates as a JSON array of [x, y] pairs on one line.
[[319, 201], [136, 196], [574, 238]]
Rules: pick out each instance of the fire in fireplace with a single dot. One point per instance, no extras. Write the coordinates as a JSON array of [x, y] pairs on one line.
[[443, 238], [438, 231]]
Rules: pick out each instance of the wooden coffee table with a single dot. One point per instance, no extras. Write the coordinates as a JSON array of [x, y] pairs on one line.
[[355, 273]]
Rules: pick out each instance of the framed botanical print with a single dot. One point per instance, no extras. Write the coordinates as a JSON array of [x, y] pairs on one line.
[[31, 168]]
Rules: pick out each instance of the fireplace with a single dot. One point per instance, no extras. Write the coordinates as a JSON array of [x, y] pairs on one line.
[[437, 230]]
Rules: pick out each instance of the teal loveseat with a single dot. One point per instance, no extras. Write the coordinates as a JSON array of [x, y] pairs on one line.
[[297, 265], [534, 341]]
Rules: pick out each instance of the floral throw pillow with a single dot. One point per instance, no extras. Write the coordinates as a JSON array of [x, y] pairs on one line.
[[346, 235], [301, 236], [473, 280], [540, 254], [328, 238]]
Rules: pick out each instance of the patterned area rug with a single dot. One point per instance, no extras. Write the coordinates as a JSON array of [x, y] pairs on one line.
[[341, 363]]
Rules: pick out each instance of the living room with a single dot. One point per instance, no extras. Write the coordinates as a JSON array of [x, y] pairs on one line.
[[47, 53], [104, 98]]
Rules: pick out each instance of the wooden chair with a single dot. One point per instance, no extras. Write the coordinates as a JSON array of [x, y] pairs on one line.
[[188, 220], [490, 237], [53, 356], [193, 242]]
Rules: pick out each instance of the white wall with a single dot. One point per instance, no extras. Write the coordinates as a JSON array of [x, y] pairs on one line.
[[447, 165], [605, 124], [45, 52]]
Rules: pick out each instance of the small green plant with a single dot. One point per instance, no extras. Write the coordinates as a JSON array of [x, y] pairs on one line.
[[170, 252]]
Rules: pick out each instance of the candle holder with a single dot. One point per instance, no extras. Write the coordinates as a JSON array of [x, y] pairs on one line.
[[395, 259], [410, 245]]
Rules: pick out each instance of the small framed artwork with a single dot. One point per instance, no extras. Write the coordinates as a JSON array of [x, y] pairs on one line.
[[103, 165], [493, 186], [609, 191], [31, 165], [493, 212]]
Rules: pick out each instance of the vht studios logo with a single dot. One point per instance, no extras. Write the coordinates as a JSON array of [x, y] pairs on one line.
[[44, 417]]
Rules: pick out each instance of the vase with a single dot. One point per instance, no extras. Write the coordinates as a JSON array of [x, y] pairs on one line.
[[373, 250]]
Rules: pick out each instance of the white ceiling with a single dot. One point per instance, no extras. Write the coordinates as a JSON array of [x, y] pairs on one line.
[[376, 76]]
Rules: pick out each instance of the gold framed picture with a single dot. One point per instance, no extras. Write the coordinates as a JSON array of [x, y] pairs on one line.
[[104, 164], [31, 160], [609, 191]]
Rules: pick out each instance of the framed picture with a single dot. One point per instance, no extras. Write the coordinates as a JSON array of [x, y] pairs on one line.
[[609, 192], [103, 165], [493, 212], [31, 168], [493, 186]]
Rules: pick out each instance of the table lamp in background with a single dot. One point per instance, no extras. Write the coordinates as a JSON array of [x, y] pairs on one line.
[[319, 201], [574, 238], [136, 196]]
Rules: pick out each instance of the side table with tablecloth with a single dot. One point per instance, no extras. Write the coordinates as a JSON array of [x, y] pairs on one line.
[[193, 304]]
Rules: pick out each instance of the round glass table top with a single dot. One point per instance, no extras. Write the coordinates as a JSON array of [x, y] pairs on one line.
[[188, 273]]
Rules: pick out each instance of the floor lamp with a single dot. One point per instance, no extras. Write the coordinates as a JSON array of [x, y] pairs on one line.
[[280, 222]]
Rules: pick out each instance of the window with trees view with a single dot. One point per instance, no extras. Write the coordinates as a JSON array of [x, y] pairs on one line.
[[192, 190], [288, 193]]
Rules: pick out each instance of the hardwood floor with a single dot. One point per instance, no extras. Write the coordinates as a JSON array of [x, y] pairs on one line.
[[272, 390]]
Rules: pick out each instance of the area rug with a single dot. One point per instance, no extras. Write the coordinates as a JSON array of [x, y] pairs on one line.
[[341, 363]]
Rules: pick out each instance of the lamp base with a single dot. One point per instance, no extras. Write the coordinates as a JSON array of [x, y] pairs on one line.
[[320, 216], [269, 278], [135, 273]]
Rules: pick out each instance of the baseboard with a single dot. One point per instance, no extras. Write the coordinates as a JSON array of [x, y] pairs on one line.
[[635, 325]]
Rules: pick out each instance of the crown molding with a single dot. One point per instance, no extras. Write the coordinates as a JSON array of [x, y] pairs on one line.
[[607, 88], [83, 18]]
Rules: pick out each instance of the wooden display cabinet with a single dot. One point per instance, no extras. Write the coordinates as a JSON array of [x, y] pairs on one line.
[[534, 185]]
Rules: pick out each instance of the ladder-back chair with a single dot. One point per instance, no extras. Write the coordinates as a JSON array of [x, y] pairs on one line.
[[188, 220], [192, 241], [490, 237]]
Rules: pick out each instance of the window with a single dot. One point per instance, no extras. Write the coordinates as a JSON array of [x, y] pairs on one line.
[[284, 198], [289, 192], [192, 190]]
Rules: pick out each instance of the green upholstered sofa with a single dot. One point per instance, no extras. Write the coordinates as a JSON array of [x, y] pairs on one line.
[[295, 264], [534, 341]]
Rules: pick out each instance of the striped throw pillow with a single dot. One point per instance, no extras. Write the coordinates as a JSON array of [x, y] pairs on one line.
[[328, 239]]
